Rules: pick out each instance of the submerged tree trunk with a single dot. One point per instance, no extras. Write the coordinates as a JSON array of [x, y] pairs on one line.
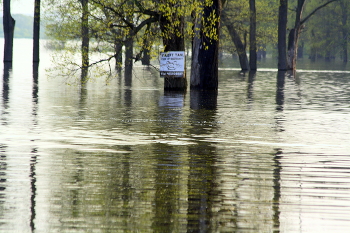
[[174, 41], [36, 31], [205, 52], [85, 40], [252, 37], [240, 46], [9, 27], [282, 35]]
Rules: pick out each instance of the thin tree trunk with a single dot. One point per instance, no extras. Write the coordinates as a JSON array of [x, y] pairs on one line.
[[36, 31], [205, 53], [240, 46], [282, 35], [252, 37], [85, 40], [294, 37], [9, 27]]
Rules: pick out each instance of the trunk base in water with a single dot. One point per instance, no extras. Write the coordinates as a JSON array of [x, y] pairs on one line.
[[175, 84]]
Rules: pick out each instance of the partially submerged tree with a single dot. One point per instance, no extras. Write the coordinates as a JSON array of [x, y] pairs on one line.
[[237, 41], [252, 25], [130, 23], [205, 49], [172, 27], [294, 33]]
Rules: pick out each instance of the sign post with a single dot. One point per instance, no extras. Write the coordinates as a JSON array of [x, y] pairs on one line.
[[172, 64]]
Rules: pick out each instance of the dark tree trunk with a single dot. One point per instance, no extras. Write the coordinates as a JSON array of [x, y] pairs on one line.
[[118, 49], [240, 46], [146, 58], [282, 35], [129, 52], [85, 40], [36, 31], [174, 41], [9, 27], [205, 52], [252, 37]]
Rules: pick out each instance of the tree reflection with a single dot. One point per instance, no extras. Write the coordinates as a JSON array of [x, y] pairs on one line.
[[280, 90], [35, 82], [34, 155], [167, 206], [251, 79], [3, 147], [5, 84], [203, 99], [277, 189], [202, 157]]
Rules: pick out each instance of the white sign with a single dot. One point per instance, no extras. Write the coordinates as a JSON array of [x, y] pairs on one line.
[[172, 64]]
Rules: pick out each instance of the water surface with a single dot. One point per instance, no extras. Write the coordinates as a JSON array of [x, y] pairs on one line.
[[266, 153]]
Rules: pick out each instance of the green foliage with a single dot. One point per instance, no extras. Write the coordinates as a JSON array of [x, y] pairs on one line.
[[326, 33], [113, 22], [267, 16]]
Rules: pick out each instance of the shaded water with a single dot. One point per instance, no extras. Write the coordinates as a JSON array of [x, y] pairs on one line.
[[264, 154]]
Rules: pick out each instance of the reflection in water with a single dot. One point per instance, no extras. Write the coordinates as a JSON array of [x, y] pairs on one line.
[[3, 168], [171, 110], [202, 158], [82, 102], [33, 188], [251, 78], [277, 190], [203, 99], [6, 86], [280, 90], [201, 186], [128, 159], [4, 121], [34, 152], [35, 82]]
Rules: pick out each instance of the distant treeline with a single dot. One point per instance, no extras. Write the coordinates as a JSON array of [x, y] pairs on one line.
[[23, 27]]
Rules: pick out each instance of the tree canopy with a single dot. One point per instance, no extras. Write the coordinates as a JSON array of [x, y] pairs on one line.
[[150, 24]]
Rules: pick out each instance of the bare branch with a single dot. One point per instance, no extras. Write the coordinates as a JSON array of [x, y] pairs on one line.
[[314, 11]]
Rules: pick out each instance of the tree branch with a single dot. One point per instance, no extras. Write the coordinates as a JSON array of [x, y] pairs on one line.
[[314, 11]]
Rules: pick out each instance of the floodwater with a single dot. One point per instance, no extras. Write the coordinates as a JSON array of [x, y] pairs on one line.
[[267, 153]]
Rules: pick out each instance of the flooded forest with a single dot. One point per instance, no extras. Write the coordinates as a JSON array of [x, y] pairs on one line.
[[250, 134]]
